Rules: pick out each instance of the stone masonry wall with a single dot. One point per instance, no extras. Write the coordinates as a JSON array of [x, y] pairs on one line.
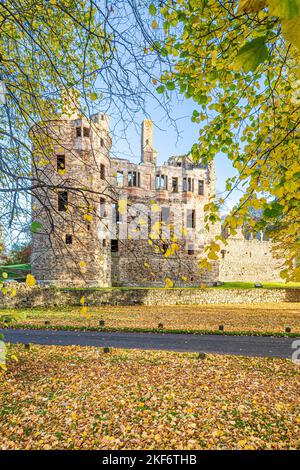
[[51, 297], [248, 260]]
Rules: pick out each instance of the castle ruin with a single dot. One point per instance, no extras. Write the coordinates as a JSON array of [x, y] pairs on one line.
[[106, 221]]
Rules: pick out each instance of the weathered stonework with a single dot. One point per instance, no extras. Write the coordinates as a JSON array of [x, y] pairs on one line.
[[50, 297], [77, 247], [248, 260]]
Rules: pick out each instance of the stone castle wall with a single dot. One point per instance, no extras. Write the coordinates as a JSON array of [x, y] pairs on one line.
[[248, 260], [52, 297]]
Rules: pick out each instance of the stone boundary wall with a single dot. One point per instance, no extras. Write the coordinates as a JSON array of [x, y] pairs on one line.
[[51, 297]]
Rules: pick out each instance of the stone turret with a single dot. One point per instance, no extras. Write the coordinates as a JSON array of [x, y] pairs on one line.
[[71, 171], [148, 153]]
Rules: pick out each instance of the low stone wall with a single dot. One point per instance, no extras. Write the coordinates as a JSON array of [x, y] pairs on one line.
[[51, 297]]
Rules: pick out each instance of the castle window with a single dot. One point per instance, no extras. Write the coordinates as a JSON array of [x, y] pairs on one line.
[[114, 246], [191, 218], [88, 227], [184, 185], [175, 185], [61, 162], [62, 201], [102, 207], [165, 247], [200, 187], [165, 215], [69, 239], [78, 131], [86, 132], [191, 250], [102, 142], [116, 213], [161, 182], [120, 178], [134, 179], [223, 252], [190, 184], [102, 171], [104, 242]]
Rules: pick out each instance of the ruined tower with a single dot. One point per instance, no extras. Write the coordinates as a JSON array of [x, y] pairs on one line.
[[147, 151], [71, 174]]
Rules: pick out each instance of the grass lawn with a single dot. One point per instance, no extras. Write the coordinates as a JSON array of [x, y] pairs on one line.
[[13, 271], [82, 398], [248, 317]]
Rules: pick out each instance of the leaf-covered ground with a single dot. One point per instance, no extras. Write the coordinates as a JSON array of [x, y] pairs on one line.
[[248, 317], [82, 398]]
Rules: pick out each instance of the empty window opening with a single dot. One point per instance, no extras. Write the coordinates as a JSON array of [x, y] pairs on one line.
[[120, 178], [175, 185], [61, 162], [86, 132], [102, 207], [161, 181], [62, 201], [134, 179], [191, 250], [88, 227], [102, 142], [184, 185], [69, 239], [165, 247], [102, 171], [201, 187], [223, 252], [191, 218], [78, 131], [104, 242], [190, 185], [114, 246], [165, 215]]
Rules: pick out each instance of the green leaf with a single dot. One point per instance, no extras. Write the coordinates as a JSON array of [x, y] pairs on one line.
[[160, 89], [93, 96], [35, 226], [291, 31], [170, 85], [152, 9], [287, 9], [251, 55]]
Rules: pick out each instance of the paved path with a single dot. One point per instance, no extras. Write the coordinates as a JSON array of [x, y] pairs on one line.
[[238, 345]]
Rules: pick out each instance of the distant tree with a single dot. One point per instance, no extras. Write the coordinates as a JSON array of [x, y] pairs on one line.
[[19, 254]]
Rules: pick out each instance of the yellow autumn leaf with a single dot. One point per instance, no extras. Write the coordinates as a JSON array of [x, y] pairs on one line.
[[82, 264], [155, 207], [88, 217], [83, 310], [82, 300], [169, 283], [4, 275], [122, 206], [30, 280], [13, 292], [291, 31], [251, 6]]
